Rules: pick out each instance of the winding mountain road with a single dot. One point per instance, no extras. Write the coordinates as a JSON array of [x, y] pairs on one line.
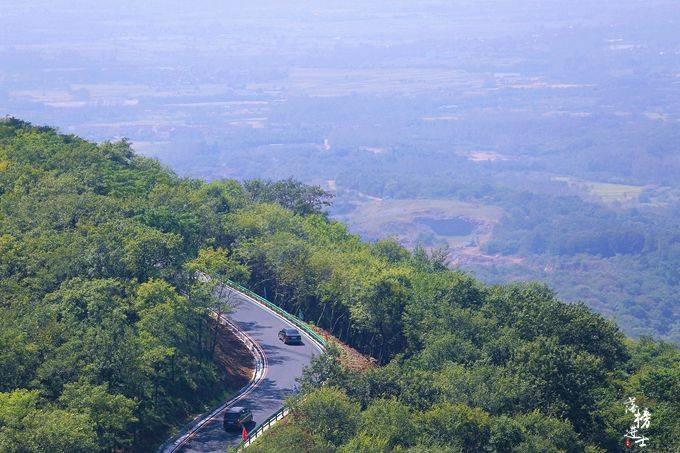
[[283, 363]]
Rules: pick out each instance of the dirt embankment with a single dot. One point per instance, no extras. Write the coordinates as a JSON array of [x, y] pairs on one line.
[[349, 357], [234, 359]]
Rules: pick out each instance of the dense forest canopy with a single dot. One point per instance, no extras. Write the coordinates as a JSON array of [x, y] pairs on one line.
[[104, 341]]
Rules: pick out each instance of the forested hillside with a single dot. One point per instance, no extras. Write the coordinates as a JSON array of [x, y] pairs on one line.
[[465, 366], [104, 343]]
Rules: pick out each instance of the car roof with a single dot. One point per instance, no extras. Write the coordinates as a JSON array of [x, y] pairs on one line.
[[291, 330]]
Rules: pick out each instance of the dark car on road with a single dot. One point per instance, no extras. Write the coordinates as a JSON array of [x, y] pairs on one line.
[[290, 336], [236, 417]]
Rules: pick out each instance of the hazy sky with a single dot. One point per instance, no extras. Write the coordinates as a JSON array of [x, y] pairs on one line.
[[112, 69]]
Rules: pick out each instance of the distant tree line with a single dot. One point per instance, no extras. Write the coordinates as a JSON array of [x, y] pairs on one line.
[[104, 340], [105, 343], [560, 225]]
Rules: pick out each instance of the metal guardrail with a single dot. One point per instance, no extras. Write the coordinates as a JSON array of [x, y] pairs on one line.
[[260, 359], [294, 319], [278, 415], [260, 366], [263, 427]]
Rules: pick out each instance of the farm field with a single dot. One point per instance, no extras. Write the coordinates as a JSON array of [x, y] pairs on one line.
[[428, 222], [605, 192]]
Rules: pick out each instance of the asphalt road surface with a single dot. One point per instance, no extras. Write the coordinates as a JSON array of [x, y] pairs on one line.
[[284, 364]]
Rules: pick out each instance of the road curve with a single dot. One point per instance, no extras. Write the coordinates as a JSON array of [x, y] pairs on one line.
[[284, 363]]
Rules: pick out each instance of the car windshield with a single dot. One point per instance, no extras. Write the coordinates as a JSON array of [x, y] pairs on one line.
[[235, 413], [292, 332]]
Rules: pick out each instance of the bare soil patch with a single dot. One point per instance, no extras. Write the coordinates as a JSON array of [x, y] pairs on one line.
[[349, 357], [233, 358]]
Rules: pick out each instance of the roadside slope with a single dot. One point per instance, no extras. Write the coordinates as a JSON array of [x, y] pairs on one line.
[[284, 364]]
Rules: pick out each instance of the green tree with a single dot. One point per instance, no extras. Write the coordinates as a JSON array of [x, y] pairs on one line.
[[384, 425], [457, 425], [328, 413], [26, 427], [216, 267], [112, 415]]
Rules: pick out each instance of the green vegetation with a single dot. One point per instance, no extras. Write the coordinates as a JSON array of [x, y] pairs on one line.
[[622, 263], [104, 342], [621, 260], [103, 339], [627, 239], [539, 377]]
